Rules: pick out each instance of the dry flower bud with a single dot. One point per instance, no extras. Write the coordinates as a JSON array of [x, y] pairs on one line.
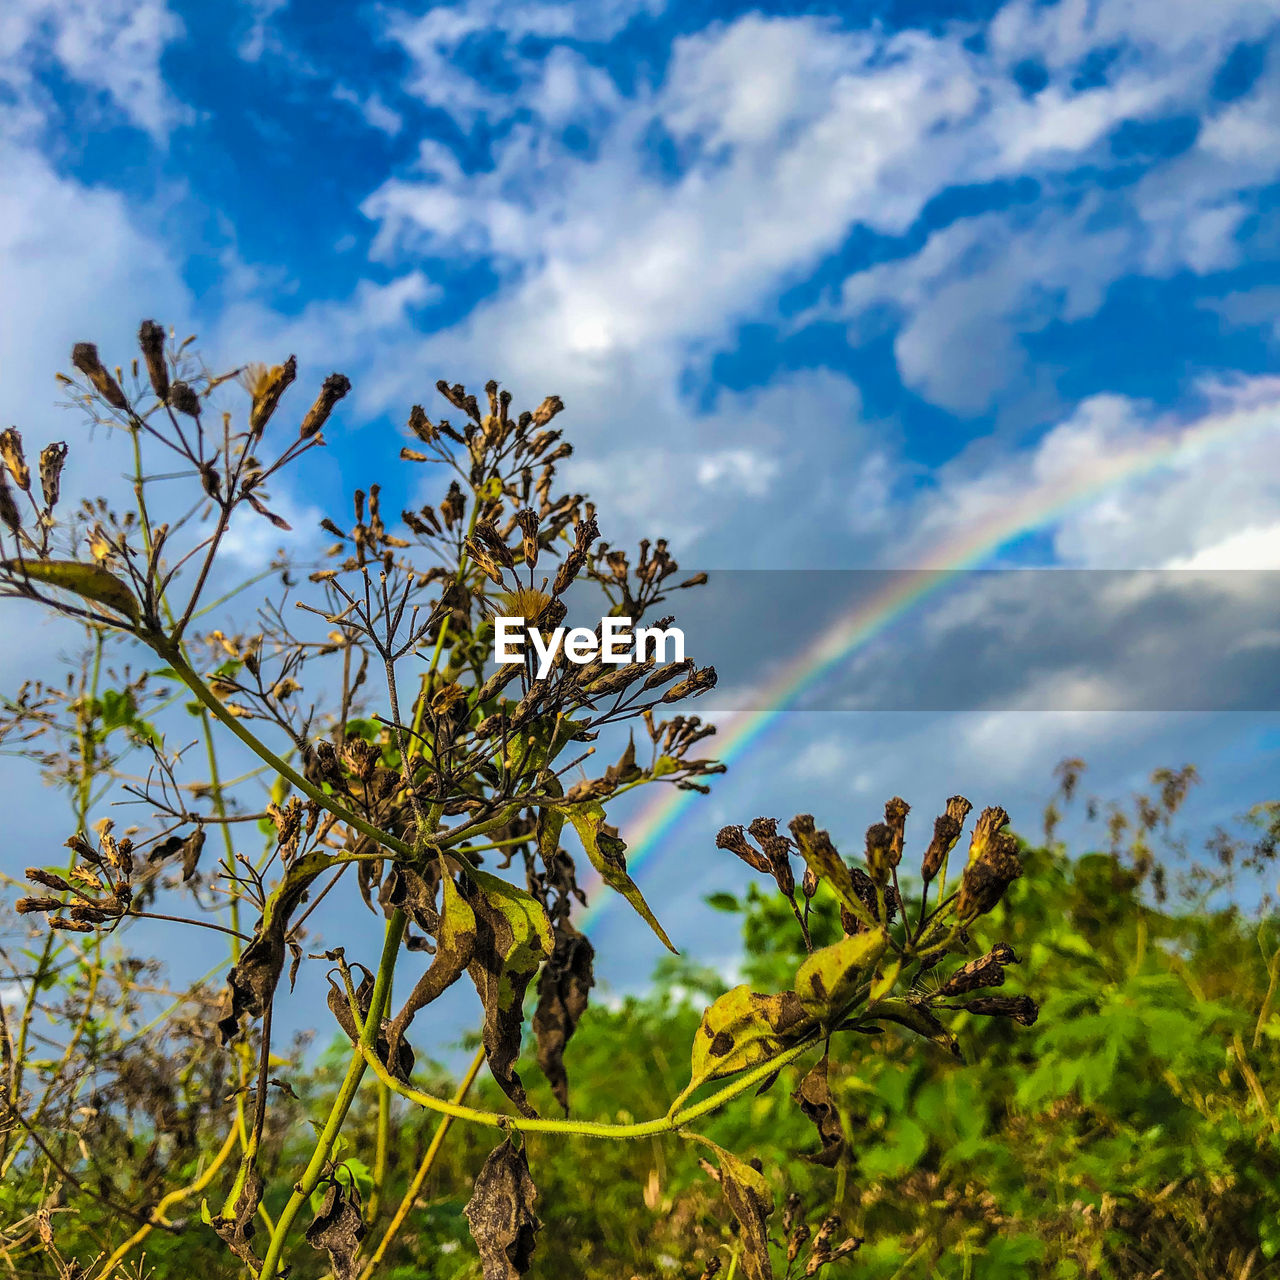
[[986, 878], [9, 513], [895, 817], [184, 399], [734, 839], [547, 410], [151, 340], [14, 459], [334, 387], [527, 519], [989, 822], [985, 971], [25, 906], [880, 852], [53, 458], [1022, 1009], [699, 682], [267, 386], [84, 355], [48, 879], [946, 831], [422, 426]]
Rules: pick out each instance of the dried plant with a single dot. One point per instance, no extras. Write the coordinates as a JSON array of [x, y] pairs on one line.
[[400, 798]]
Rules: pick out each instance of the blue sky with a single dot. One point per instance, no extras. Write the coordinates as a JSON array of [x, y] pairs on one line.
[[822, 287]]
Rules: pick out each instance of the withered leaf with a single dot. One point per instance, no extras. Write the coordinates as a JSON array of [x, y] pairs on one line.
[[744, 1028], [399, 1062], [820, 854], [512, 939], [916, 1017], [750, 1197], [237, 1231], [608, 856], [192, 847], [563, 990], [814, 1098], [251, 984], [455, 933], [500, 1213], [338, 1229]]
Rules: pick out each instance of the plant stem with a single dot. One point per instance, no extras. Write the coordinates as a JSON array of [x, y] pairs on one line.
[[669, 1123], [342, 1103]]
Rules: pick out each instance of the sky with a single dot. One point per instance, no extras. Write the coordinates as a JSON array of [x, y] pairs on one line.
[[823, 287]]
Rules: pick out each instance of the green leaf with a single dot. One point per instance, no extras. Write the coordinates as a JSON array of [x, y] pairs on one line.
[[723, 902]]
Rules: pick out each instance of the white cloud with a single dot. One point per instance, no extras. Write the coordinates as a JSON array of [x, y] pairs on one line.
[[737, 469], [1256, 547], [372, 110], [111, 46]]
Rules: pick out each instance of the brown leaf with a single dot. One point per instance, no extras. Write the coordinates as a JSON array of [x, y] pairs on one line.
[[563, 989], [455, 934], [237, 1232], [814, 1098], [500, 1213], [252, 982], [338, 1229], [399, 1063]]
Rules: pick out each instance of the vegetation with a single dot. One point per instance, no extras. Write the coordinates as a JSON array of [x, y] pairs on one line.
[[872, 1099]]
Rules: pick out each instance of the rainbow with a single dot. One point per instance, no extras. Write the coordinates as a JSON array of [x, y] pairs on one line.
[[1034, 508]]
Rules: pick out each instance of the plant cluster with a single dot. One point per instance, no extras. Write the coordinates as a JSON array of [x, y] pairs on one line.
[[411, 799]]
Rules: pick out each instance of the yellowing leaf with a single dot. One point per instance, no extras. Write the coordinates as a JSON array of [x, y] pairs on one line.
[[607, 854], [90, 581], [828, 980], [743, 1029], [513, 937]]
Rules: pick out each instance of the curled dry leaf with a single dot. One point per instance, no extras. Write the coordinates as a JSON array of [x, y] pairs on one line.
[[454, 927], [338, 1229], [236, 1232], [563, 991], [500, 1213], [813, 1095]]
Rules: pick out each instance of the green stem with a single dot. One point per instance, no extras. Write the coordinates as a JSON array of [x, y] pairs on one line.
[[342, 1103], [669, 1123], [172, 654]]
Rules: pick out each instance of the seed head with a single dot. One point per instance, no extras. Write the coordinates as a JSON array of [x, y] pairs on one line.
[[84, 355], [151, 340], [335, 386], [53, 458]]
